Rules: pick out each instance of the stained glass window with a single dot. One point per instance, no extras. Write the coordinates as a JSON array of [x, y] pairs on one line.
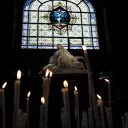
[[47, 23]]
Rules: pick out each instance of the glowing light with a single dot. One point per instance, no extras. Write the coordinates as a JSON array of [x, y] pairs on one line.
[[75, 88], [99, 97], [107, 80], [47, 72], [84, 47], [18, 74], [65, 83], [4, 85], [50, 74], [29, 93], [42, 100]]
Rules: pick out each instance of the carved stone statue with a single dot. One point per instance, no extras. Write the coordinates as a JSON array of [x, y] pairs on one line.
[[63, 62]]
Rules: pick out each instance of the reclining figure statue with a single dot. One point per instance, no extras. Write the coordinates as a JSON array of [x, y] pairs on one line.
[[63, 61]]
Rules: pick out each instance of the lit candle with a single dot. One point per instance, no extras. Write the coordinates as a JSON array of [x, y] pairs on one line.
[[16, 97], [17, 90], [43, 123], [85, 120], [46, 88], [27, 108], [92, 96], [76, 107], [24, 118], [66, 104], [100, 105], [2, 104], [109, 93]]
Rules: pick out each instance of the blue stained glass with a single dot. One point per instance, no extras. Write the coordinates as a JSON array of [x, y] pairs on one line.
[[60, 16], [27, 4]]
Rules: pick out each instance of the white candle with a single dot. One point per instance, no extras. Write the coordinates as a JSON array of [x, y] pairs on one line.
[[109, 116], [66, 104], [63, 118], [17, 90], [76, 107], [92, 96], [109, 93], [2, 104], [27, 108], [100, 105], [16, 97], [18, 118], [24, 118], [123, 121], [90, 118], [46, 88], [43, 123], [84, 120], [126, 116]]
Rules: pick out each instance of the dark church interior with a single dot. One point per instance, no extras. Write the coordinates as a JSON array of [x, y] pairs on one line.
[[111, 58]]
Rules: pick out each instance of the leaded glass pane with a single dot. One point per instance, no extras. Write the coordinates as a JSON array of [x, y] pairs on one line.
[[34, 5], [44, 17], [60, 33], [75, 31], [33, 16], [32, 41], [42, 1], [57, 4], [24, 32], [44, 30], [94, 31], [62, 41], [88, 42], [32, 29], [27, 4], [87, 31], [95, 42], [76, 18], [24, 47], [25, 16], [75, 43], [75, 1], [83, 7], [32, 47], [46, 6], [85, 18], [45, 42], [25, 26], [72, 7], [91, 9], [93, 18], [24, 40]]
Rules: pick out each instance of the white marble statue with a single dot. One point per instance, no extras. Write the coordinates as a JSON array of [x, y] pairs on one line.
[[63, 62]]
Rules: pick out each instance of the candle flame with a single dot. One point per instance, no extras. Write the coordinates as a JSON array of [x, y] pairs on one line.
[[99, 97], [107, 80], [29, 93], [75, 88], [4, 85], [65, 83], [18, 74], [84, 47], [42, 100], [47, 72], [50, 74]]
